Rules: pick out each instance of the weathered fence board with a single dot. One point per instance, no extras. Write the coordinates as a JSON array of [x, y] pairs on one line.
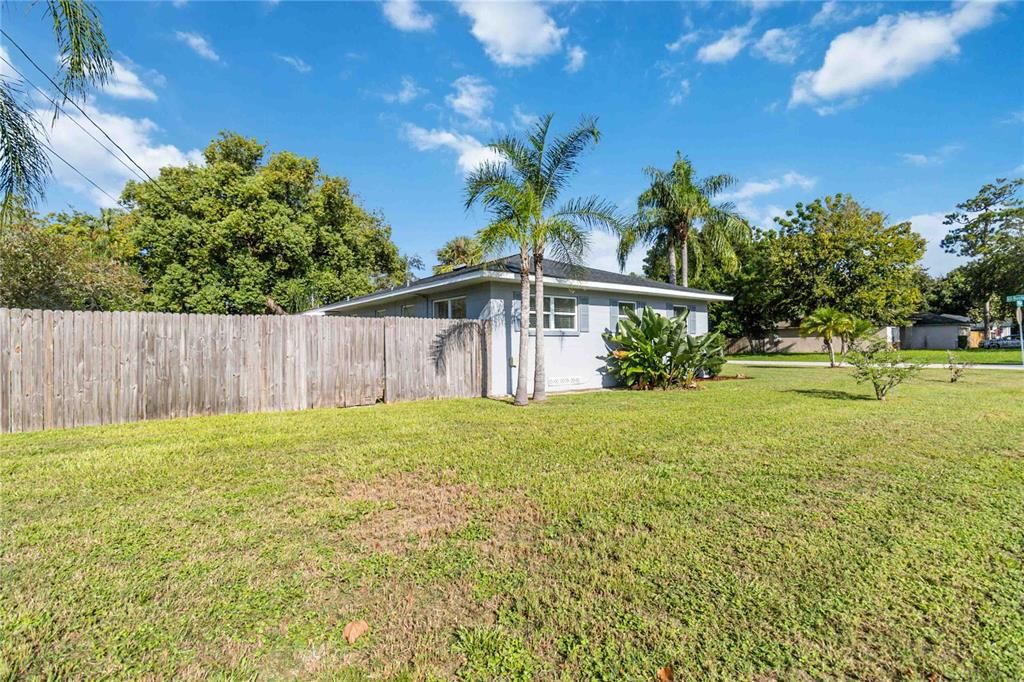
[[63, 369]]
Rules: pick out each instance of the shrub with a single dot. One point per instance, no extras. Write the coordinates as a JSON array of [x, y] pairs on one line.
[[880, 364], [649, 351], [956, 368]]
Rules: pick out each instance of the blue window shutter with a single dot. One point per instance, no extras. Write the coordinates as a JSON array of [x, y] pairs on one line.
[[583, 313], [517, 311], [613, 314], [640, 305]]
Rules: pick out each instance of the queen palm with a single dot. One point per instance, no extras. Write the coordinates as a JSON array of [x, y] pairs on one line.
[[680, 211], [521, 189], [828, 323]]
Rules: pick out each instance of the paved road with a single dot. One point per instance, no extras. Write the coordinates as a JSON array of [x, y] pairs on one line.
[[796, 363]]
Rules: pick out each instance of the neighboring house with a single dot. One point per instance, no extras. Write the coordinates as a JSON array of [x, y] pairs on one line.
[[787, 339], [582, 303], [935, 331]]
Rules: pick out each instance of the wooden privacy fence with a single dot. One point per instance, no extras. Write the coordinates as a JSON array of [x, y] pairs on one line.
[[62, 369]]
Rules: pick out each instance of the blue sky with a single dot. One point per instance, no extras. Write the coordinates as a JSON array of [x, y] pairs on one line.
[[910, 107]]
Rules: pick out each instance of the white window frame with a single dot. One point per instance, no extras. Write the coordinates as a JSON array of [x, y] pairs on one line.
[[618, 309], [448, 305], [684, 307], [382, 312], [411, 307], [549, 314]]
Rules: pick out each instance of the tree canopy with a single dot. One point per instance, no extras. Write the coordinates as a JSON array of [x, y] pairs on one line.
[[458, 251], [249, 234], [64, 262], [988, 229], [835, 252]]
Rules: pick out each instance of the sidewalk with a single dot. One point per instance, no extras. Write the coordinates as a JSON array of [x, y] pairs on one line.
[[796, 363]]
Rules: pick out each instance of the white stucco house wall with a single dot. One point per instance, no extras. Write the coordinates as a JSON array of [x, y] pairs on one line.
[[582, 303]]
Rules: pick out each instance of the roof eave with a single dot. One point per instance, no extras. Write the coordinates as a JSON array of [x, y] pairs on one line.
[[494, 275]]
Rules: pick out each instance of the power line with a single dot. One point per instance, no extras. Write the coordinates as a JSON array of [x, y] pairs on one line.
[[72, 167], [68, 98], [73, 119]]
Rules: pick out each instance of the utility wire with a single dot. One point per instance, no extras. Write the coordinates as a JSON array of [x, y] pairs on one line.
[[68, 98], [72, 167], [73, 119]]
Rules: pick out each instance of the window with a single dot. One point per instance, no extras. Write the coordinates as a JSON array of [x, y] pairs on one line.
[[409, 310], [624, 306], [680, 310], [381, 313], [450, 308], [559, 314]]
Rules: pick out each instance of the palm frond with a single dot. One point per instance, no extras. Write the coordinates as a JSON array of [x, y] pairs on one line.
[[25, 165], [562, 157], [82, 48]]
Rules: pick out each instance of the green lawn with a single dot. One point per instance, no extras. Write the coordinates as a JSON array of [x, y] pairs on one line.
[[783, 527], [977, 356]]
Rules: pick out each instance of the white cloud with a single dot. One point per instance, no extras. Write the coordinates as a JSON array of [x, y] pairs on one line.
[[472, 99], [126, 84], [888, 52], [523, 119], [935, 158], [407, 93], [5, 71], [761, 5], [929, 226], [135, 135], [756, 188], [835, 12], [1014, 117], [470, 152], [514, 33], [682, 41], [179, 3], [296, 63], [726, 47], [603, 254], [576, 57], [680, 93], [778, 45], [407, 15], [198, 44]]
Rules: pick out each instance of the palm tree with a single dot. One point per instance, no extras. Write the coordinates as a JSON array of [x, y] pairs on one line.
[[679, 210], [458, 251], [827, 323], [527, 180], [83, 60]]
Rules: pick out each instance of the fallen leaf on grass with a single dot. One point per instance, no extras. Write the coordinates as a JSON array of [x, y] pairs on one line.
[[355, 630], [665, 674]]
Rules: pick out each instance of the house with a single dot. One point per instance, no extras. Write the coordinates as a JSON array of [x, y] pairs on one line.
[[582, 303], [787, 339], [935, 331]]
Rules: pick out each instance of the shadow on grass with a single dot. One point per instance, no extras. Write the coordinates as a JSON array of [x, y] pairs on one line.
[[830, 394]]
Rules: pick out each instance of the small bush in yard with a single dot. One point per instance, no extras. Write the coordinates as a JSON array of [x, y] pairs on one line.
[[882, 366], [649, 351], [956, 368]]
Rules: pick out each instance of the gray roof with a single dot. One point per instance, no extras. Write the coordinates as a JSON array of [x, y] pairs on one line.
[[937, 319], [552, 268]]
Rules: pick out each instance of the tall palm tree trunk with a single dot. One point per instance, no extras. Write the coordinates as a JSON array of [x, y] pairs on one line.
[[685, 256], [540, 379], [524, 327], [672, 264]]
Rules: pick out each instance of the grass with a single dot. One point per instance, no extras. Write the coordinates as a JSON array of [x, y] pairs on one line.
[[785, 527], [976, 356]]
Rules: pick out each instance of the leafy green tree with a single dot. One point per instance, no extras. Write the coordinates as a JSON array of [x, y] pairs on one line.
[[828, 323], [883, 367], [83, 61], [678, 212], [460, 251], [989, 229], [526, 181], [244, 234], [836, 253], [49, 267]]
